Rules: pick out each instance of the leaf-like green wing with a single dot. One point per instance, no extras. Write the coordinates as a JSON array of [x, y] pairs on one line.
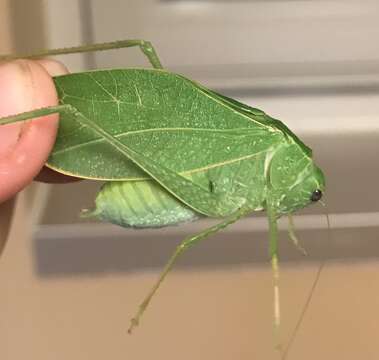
[[159, 114], [260, 115]]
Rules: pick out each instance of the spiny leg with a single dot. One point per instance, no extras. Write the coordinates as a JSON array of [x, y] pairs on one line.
[[58, 109], [293, 237], [187, 243], [190, 193], [145, 46], [273, 250]]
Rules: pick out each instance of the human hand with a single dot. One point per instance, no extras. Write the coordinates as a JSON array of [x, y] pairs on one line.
[[25, 146]]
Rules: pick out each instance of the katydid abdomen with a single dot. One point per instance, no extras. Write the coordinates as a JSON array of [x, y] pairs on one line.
[[146, 204], [140, 204]]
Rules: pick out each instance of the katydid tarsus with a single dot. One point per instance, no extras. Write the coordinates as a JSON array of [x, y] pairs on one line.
[[172, 150]]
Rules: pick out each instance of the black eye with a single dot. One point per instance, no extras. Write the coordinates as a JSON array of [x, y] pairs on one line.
[[316, 195]]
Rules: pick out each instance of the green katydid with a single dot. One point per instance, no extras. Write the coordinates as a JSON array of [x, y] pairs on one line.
[[172, 150]]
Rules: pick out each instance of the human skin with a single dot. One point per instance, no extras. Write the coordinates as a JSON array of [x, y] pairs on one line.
[[24, 147]]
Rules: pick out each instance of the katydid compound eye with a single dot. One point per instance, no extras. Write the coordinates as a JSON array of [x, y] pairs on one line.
[[316, 195]]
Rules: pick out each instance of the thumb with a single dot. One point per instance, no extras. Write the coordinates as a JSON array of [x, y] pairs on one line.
[[24, 147]]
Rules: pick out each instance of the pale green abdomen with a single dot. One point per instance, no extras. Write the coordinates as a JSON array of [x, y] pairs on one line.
[[140, 204]]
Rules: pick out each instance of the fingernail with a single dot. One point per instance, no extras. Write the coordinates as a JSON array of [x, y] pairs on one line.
[[53, 67], [13, 99]]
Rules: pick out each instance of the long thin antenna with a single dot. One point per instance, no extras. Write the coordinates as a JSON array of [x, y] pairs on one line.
[[311, 293]]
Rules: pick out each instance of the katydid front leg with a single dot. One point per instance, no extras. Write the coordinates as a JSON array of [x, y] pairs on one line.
[[273, 250]]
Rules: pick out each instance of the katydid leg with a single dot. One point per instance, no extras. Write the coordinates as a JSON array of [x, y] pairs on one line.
[[190, 193], [273, 250], [145, 46], [28, 115], [187, 243], [293, 237]]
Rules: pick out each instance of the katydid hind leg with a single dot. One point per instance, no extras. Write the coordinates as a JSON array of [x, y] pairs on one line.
[[76, 115], [181, 248], [28, 115], [145, 46], [192, 194]]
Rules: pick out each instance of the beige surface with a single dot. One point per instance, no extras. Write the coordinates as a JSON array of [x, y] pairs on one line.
[[6, 212], [219, 314]]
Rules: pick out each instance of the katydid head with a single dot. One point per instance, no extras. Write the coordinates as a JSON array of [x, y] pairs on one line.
[[295, 180], [308, 189]]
